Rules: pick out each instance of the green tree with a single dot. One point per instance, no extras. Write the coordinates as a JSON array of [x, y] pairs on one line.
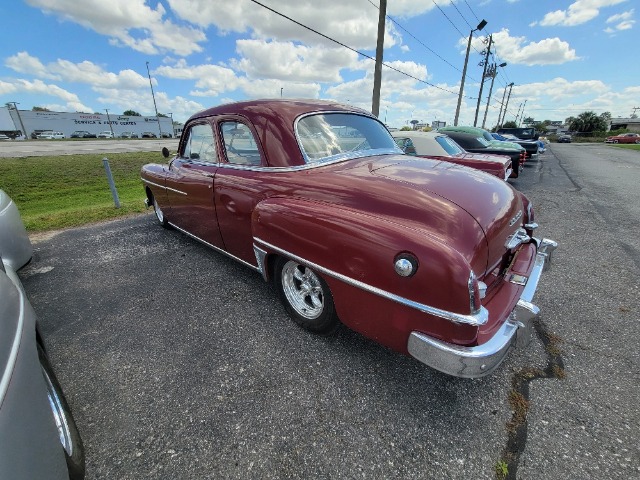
[[588, 122], [510, 124], [131, 113], [40, 109]]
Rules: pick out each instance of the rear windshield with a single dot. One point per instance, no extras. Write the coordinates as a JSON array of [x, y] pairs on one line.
[[328, 136], [449, 145]]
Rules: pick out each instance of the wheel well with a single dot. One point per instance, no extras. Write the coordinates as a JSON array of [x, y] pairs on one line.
[[149, 195]]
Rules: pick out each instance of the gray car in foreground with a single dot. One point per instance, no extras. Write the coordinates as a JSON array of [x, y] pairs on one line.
[[38, 436]]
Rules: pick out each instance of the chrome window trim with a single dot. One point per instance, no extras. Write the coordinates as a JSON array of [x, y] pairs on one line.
[[224, 252], [477, 319], [149, 182]]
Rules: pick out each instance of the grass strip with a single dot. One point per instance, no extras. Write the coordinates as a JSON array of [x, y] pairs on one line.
[[54, 192]]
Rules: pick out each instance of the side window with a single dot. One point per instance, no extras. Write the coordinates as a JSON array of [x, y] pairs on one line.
[[200, 144], [239, 144]]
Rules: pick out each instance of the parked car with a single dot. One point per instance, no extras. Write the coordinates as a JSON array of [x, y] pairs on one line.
[[564, 138], [82, 134], [624, 138], [166, 135], [482, 133], [429, 260], [531, 146], [35, 419], [441, 147], [524, 133], [148, 135], [475, 144], [128, 135], [105, 134], [50, 135]]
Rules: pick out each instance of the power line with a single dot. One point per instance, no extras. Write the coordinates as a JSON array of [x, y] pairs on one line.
[[421, 42], [456, 7], [447, 17], [474, 13], [353, 49]]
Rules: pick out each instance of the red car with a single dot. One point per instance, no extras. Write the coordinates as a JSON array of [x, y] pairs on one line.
[[430, 259], [441, 147], [624, 138]]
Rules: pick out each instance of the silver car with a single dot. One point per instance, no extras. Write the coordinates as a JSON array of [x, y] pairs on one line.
[[38, 436]]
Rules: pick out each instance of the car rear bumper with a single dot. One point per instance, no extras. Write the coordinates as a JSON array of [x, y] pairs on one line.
[[481, 360]]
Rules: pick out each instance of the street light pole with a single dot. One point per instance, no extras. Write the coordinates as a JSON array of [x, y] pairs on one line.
[[494, 72], [154, 101], [480, 26], [484, 74], [172, 129]]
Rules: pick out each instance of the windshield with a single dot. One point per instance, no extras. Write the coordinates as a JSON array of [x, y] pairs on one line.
[[451, 147], [342, 135], [483, 141]]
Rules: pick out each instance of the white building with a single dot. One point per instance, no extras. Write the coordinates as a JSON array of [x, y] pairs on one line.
[[30, 122]]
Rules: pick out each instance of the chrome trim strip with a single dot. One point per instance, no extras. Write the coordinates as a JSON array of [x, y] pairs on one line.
[[144, 180], [261, 255], [7, 373], [479, 318], [213, 246]]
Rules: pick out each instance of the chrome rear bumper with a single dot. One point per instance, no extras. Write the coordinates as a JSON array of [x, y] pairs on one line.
[[481, 360]]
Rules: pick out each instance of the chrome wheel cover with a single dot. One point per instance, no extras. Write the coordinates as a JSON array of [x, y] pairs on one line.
[[158, 211], [59, 415], [303, 290]]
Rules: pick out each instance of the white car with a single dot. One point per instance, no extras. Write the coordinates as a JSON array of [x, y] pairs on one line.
[[50, 134], [105, 134]]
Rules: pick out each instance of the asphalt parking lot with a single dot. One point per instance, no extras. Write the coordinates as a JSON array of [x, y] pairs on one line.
[[180, 363]]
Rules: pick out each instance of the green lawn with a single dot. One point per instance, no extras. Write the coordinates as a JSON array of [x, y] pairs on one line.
[[70, 190], [628, 147]]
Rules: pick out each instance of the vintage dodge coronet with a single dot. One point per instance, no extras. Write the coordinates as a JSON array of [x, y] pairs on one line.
[[429, 258]]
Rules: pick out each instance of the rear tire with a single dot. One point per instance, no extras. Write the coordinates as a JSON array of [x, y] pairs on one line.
[[305, 296], [66, 425]]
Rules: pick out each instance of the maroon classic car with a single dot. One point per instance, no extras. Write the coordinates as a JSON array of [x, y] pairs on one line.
[[624, 138], [429, 258], [440, 147]]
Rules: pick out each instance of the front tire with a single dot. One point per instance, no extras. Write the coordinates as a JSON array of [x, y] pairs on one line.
[[306, 297], [162, 220], [66, 425]]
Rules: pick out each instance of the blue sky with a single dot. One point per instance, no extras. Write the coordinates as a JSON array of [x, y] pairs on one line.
[[564, 57]]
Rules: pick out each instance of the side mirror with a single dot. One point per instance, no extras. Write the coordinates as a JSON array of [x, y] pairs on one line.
[[165, 152]]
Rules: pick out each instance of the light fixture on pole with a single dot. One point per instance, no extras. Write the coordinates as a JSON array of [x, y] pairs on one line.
[[480, 26], [494, 72], [154, 101]]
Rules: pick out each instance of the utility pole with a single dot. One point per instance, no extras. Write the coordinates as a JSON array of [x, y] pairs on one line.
[[504, 94], [15, 107], [154, 101], [485, 62], [377, 72], [494, 71], [480, 26], [109, 119], [522, 117], [504, 114]]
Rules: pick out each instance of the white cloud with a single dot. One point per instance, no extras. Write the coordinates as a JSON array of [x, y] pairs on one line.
[[621, 16], [286, 61], [515, 50], [38, 87], [210, 80], [129, 23], [624, 21], [579, 12], [352, 23]]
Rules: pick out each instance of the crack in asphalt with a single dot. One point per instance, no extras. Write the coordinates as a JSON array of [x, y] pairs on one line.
[[519, 401]]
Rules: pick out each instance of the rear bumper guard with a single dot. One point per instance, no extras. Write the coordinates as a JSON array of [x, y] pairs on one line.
[[481, 360]]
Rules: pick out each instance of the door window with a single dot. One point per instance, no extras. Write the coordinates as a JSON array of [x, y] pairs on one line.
[[239, 144], [200, 144]]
